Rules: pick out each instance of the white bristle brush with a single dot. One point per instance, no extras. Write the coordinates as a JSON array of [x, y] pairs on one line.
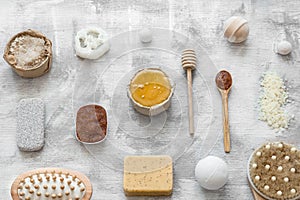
[[51, 183]]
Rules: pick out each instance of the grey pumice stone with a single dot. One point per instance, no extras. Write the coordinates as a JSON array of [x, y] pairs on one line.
[[30, 124]]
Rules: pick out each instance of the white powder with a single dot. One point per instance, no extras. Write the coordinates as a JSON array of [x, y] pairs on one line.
[[271, 102], [28, 51]]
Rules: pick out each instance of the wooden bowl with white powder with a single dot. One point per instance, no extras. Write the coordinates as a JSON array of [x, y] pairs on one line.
[[29, 53]]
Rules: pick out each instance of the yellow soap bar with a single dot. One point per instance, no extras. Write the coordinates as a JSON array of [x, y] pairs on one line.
[[148, 175]]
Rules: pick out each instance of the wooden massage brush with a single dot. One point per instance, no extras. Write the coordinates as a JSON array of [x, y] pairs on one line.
[[274, 172], [51, 183]]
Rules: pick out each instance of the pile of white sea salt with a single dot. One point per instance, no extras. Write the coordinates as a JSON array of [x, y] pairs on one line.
[[274, 96]]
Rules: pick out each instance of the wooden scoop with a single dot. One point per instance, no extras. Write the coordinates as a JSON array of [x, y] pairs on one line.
[[224, 83], [189, 62]]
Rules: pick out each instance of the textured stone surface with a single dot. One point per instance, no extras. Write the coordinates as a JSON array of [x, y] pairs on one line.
[[63, 89], [30, 124]]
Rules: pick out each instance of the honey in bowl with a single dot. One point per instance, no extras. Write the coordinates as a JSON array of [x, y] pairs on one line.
[[150, 90]]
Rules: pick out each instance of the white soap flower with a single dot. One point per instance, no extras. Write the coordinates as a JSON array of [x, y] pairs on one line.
[[91, 43]]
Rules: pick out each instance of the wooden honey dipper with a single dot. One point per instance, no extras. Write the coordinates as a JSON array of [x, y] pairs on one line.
[[189, 62]]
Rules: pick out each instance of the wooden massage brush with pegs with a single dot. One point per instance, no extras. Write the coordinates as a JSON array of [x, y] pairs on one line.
[[51, 183]]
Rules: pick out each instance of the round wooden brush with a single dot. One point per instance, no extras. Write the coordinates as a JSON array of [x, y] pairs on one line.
[[274, 171]]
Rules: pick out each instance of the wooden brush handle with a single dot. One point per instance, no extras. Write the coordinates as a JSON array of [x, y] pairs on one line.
[[226, 130], [256, 196], [190, 94]]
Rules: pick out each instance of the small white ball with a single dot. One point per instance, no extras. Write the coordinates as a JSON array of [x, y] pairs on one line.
[[258, 153], [293, 191], [287, 158], [257, 178], [273, 178], [254, 165], [286, 179], [211, 173], [284, 48], [273, 157], [145, 35], [280, 168], [267, 167], [293, 170], [268, 146], [293, 149], [279, 193], [267, 187]]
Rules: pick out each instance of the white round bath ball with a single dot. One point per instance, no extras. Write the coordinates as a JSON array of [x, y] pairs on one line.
[[284, 48], [145, 35], [211, 173], [236, 29]]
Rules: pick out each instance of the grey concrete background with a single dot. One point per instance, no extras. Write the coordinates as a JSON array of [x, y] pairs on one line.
[[65, 87]]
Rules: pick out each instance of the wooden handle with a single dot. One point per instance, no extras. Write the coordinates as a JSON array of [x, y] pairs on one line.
[[226, 131], [190, 94], [256, 195]]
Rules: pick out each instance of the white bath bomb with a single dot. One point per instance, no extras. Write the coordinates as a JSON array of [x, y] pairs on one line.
[[236, 29], [145, 35], [211, 173], [284, 48]]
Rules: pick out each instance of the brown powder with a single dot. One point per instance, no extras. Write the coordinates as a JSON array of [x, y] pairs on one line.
[[91, 124]]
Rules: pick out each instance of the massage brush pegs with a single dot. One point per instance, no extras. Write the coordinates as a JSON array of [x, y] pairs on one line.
[[51, 183], [273, 171]]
